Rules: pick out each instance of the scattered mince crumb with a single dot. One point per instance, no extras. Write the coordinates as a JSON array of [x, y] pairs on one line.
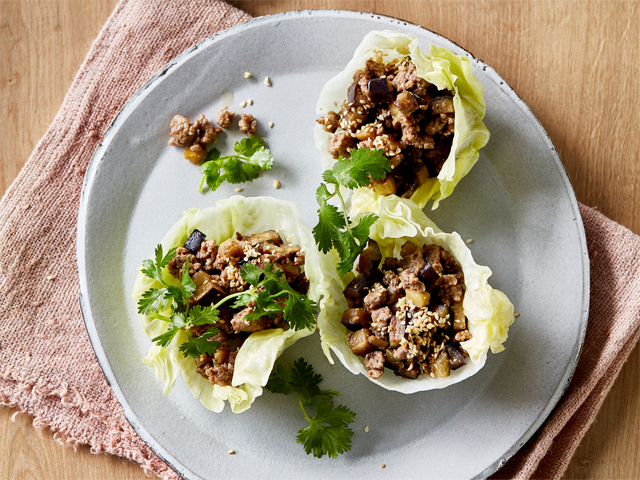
[[247, 74], [225, 117], [366, 429], [516, 314], [232, 451], [267, 81], [276, 184], [238, 189], [270, 124], [250, 101], [384, 465], [198, 133], [243, 104], [247, 124], [469, 240]]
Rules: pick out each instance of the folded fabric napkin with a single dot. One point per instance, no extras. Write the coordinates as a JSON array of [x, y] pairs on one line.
[[47, 366]]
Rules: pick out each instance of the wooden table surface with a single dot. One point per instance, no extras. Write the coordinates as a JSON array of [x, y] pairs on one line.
[[575, 63]]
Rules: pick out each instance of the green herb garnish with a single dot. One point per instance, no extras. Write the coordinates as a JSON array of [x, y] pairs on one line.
[[269, 291], [251, 157], [334, 229], [328, 432]]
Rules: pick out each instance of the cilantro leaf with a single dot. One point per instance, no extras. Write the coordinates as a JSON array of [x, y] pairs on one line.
[[196, 346], [355, 172], [248, 146], [262, 158], [154, 269], [299, 311], [334, 229], [203, 315], [153, 299], [328, 432]]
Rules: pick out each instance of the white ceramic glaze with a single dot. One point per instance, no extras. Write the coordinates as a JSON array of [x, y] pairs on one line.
[[516, 204]]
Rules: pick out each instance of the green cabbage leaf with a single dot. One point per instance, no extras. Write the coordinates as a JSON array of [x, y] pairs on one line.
[[440, 67], [257, 355], [489, 312]]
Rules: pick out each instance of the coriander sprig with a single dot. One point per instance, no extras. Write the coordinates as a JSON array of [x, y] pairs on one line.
[[334, 229], [251, 157], [328, 432], [269, 292]]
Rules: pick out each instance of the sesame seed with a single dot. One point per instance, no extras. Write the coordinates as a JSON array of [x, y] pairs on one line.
[[267, 81], [366, 429], [335, 104], [232, 452], [270, 124], [247, 74], [124, 25], [250, 102], [238, 189], [469, 240], [276, 184], [516, 314], [383, 466], [289, 238], [243, 104], [51, 277]]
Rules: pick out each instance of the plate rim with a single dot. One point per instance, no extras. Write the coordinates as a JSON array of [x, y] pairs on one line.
[[175, 63]]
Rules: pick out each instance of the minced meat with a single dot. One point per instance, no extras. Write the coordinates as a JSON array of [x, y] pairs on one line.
[[389, 107], [215, 270], [407, 316]]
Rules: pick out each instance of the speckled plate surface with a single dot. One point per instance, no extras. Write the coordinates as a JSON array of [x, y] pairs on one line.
[[516, 204]]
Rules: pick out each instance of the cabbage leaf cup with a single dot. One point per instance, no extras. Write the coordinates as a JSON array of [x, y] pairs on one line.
[[489, 312], [259, 352], [440, 67]]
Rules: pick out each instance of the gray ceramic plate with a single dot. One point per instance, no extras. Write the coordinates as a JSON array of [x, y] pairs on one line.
[[516, 204]]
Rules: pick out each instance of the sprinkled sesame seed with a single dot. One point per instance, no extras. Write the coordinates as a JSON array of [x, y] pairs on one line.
[[270, 124], [51, 277], [247, 74], [232, 452], [469, 240], [276, 184], [238, 189], [250, 102], [267, 81], [243, 104], [383, 465], [335, 104], [516, 314], [124, 25], [366, 429], [289, 238]]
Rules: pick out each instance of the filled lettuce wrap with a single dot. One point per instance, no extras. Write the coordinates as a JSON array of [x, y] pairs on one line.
[[263, 224], [420, 314], [424, 109]]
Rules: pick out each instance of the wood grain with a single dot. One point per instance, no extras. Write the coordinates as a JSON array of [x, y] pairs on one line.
[[575, 63]]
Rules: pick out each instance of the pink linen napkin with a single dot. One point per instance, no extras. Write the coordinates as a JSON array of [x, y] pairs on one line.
[[47, 366]]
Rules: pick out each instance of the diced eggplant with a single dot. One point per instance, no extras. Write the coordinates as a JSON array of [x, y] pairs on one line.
[[407, 249], [428, 276], [351, 94], [194, 241], [419, 299], [379, 90], [359, 344], [459, 320], [377, 342], [369, 258], [396, 331], [356, 291], [441, 365], [384, 187], [204, 285], [456, 359], [408, 373], [406, 103], [391, 361], [356, 318], [270, 236], [441, 310], [442, 105]]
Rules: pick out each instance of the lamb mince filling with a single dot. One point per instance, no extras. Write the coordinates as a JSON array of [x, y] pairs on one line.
[[215, 270], [407, 316], [390, 107]]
